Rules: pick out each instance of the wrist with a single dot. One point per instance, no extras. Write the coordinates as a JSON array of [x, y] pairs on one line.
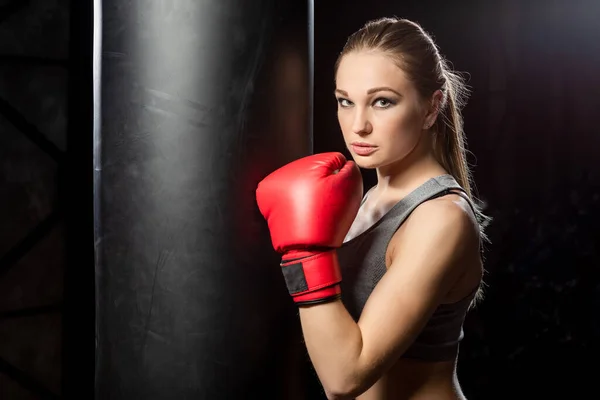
[[312, 277]]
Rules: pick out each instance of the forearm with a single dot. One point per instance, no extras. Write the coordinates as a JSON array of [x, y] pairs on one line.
[[335, 345]]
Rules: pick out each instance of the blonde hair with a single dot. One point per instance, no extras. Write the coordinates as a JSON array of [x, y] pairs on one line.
[[418, 56]]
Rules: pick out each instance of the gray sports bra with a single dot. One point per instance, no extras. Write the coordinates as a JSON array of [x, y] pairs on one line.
[[362, 260]]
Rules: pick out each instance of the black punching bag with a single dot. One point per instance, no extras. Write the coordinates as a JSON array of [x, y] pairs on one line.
[[197, 101]]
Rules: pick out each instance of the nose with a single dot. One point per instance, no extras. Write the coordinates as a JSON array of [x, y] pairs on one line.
[[360, 123]]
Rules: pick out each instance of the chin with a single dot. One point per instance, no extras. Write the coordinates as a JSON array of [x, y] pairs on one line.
[[366, 162]]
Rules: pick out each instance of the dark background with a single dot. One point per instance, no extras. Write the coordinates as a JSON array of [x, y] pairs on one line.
[[532, 128]]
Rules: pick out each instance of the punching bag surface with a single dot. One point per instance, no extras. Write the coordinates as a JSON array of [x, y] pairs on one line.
[[199, 100]]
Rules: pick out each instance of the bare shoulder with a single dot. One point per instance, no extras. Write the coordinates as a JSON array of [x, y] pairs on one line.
[[450, 215], [443, 225]]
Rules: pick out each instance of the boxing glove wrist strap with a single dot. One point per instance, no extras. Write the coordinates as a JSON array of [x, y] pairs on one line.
[[313, 278]]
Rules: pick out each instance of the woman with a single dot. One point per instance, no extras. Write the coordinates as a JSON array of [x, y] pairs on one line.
[[382, 313]]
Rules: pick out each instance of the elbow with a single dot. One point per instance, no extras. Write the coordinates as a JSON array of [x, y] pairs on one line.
[[344, 390], [343, 394], [338, 395], [350, 382]]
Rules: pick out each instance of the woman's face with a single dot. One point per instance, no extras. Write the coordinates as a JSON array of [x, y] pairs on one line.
[[380, 112]]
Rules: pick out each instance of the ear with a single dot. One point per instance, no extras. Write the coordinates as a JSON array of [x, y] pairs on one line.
[[433, 109]]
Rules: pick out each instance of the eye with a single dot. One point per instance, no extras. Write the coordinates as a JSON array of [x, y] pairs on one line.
[[383, 102], [344, 102]]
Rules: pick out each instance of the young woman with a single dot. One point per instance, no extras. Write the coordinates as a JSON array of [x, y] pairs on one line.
[[383, 282]]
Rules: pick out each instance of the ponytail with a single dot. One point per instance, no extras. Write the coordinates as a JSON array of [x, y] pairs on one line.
[[450, 142], [451, 152]]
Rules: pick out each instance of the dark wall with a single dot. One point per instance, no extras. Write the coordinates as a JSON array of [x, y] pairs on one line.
[[33, 134], [532, 128]]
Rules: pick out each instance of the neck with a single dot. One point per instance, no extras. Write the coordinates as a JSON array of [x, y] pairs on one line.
[[410, 172]]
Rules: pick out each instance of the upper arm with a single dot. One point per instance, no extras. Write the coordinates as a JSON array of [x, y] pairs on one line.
[[425, 265]]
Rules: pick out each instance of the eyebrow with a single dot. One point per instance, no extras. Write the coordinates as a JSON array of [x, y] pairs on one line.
[[371, 91]]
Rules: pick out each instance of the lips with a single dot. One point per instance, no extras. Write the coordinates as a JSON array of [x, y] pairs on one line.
[[363, 149]]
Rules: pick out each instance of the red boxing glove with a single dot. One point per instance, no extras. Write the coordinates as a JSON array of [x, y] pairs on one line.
[[309, 205]]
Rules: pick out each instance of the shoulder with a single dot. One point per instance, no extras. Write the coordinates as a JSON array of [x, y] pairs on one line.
[[449, 214], [445, 226]]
